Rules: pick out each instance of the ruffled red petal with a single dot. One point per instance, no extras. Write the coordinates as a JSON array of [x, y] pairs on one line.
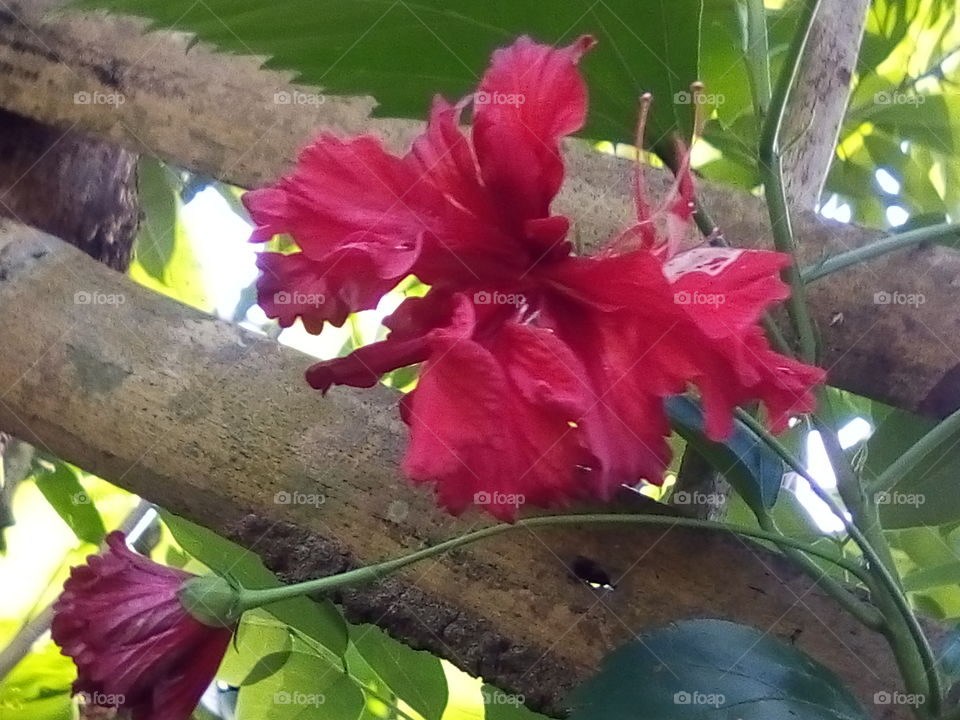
[[121, 621]]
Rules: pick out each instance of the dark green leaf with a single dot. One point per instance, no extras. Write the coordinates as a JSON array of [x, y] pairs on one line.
[[415, 676], [937, 576], [321, 620], [157, 189], [60, 485], [713, 670], [754, 470], [405, 53], [928, 495]]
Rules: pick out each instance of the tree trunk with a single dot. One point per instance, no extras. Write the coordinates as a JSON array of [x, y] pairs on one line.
[[819, 98], [77, 188]]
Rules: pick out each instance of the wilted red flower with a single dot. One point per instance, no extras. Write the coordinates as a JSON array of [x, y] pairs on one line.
[[544, 373], [135, 646]]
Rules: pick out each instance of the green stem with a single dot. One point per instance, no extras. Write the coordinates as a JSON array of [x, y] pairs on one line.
[[944, 432], [255, 598], [757, 57], [866, 614], [771, 171], [916, 666], [890, 244]]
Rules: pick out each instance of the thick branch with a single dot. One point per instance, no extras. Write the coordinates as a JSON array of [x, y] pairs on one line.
[[217, 115], [212, 422], [819, 98]]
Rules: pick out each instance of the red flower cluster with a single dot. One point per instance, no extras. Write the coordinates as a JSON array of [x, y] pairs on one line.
[[543, 373], [135, 645]]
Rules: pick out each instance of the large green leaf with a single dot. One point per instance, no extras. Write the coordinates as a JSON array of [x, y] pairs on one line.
[[716, 670], [320, 621], [60, 485], [306, 686], [403, 53], [415, 676], [754, 470], [928, 495]]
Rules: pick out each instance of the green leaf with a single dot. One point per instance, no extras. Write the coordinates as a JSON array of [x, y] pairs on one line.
[[699, 669], [405, 53], [927, 495], [415, 676], [938, 576], [320, 621], [60, 485], [752, 468], [157, 191], [299, 689], [38, 688]]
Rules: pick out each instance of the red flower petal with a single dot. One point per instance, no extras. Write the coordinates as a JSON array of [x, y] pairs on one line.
[[530, 98], [121, 621], [488, 427]]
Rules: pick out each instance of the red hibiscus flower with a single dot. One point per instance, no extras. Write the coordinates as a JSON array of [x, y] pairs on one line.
[[543, 373], [136, 647]]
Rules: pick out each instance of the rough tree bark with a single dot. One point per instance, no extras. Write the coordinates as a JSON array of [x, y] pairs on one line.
[[77, 188], [212, 422], [183, 105], [819, 98]]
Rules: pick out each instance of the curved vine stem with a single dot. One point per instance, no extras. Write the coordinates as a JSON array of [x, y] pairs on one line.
[[770, 158], [882, 583], [892, 243], [256, 598]]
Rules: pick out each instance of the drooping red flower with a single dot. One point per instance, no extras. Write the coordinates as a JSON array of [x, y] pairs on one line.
[[134, 644], [543, 373]]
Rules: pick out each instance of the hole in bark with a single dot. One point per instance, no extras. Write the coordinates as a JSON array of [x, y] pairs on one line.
[[590, 572]]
